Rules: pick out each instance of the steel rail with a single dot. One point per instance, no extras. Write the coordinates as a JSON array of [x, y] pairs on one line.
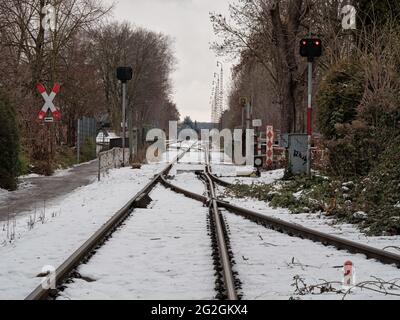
[[223, 252], [222, 244], [63, 271], [299, 231], [306, 233], [220, 236], [217, 180]]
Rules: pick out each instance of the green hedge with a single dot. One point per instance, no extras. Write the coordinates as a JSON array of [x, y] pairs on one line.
[[9, 144]]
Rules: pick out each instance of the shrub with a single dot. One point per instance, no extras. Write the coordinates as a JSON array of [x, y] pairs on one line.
[[339, 96], [354, 154], [9, 145], [88, 151], [23, 159]]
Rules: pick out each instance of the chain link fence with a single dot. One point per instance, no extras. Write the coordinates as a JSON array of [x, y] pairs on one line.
[[86, 139]]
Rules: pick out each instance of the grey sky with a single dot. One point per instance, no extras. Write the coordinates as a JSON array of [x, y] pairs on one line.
[[188, 23]]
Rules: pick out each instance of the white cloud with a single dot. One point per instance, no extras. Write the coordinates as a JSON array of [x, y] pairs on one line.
[[188, 23]]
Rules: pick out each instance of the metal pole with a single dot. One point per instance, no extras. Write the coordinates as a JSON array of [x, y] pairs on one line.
[[130, 133], [309, 118], [79, 142], [243, 111], [123, 121], [248, 116], [99, 168]]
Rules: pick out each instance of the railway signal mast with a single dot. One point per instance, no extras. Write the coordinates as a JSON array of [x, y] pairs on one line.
[[221, 91], [310, 48], [213, 100], [124, 74], [217, 95]]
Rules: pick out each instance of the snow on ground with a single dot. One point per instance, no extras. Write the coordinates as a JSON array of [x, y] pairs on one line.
[[220, 158], [189, 181], [163, 252], [229, 174], [317, 222], [57, 173], [174, 150], [184, 175], [194, 156], [30, 176], [267, 262], [3, 194], [68, 223], [229, 171]]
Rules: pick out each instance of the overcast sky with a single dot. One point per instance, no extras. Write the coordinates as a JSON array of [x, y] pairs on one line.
[[188, 23]]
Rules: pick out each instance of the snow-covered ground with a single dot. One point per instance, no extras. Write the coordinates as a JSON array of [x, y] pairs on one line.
[[3, 192], [183, 174], [163, 252], [189, 181], [250, 239], [318, 222], [267, 262], [67, 224], [229, 174], [223, 167]]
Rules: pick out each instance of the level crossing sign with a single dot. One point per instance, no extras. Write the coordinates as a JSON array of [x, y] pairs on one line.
[[49, 105]]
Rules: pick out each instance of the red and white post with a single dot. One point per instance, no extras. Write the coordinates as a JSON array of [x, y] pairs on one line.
[[309, 117], [270, 147]]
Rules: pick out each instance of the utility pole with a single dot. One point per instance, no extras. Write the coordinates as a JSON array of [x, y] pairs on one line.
[[248, 115], [124, 74], [221, 91], [78, 142], [130, 133]]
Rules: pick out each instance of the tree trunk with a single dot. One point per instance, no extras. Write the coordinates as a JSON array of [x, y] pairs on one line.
[[285, 38]]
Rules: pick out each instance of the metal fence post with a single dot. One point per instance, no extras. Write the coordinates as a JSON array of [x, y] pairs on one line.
[[99, 173], [79, 142]]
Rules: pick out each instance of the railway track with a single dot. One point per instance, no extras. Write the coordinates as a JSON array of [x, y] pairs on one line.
[[226, 284], [306, 233], [230, 282], [290, 229], [140, 200]]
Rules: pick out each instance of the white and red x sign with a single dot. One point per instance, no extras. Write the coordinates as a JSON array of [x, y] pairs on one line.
[[49, 105]]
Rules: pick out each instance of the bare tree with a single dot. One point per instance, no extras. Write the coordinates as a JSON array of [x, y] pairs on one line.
[[34, 54], [150, 56], [267, 33]]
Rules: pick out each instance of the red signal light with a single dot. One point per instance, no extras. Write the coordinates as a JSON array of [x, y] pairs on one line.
[[311, 48]]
